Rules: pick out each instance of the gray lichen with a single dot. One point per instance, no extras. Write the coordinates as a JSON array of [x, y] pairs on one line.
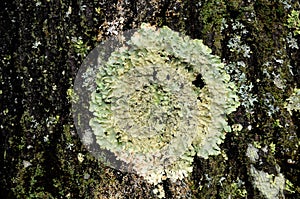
[[269, 185]]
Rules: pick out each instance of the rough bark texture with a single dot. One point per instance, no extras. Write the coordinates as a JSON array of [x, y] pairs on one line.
[[41, 51]]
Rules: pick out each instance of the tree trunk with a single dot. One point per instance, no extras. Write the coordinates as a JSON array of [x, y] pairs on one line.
[[44, 44]]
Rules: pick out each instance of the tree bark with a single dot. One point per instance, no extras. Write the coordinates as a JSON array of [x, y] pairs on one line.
[[43, 46]]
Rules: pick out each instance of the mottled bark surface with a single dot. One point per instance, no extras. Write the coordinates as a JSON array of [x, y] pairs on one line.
[[43, 44]]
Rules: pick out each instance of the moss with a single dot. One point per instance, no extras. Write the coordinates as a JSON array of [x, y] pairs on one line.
[[211, 18]]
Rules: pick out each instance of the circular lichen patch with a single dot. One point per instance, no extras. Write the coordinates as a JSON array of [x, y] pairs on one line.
[[160, 99]]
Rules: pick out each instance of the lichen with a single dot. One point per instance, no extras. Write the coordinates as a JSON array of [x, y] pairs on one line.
[[293, 102], [293, 22], [252, 153], [269, 185], [151, 109]]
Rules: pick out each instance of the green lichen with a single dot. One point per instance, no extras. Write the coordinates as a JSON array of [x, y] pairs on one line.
[[293, 102], [150, 112]]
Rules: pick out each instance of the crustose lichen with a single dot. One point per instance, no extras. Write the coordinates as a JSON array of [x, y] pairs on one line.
[[160, 100]]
